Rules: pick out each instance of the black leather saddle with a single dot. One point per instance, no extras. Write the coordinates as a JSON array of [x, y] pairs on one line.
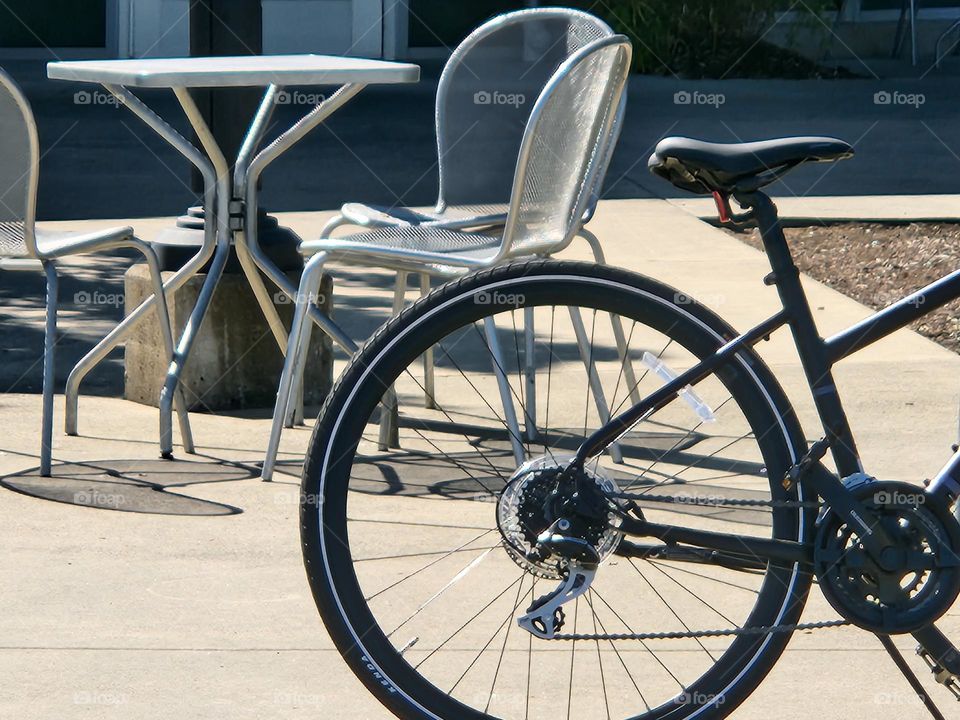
[[726, 168]]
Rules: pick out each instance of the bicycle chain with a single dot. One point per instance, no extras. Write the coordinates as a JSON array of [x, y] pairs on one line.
[[713, 502], [693, 634]]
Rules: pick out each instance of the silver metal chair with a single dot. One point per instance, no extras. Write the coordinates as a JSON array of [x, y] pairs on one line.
[[483, 98], [24, 246], [560, 156], [482, 107]]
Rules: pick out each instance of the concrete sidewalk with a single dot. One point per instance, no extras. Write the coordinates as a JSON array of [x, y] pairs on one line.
[[205, 612]]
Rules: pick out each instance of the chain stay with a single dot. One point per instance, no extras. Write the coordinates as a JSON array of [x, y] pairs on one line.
[[691, 634]]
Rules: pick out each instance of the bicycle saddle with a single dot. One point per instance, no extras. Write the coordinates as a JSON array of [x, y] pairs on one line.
[[706, 167]]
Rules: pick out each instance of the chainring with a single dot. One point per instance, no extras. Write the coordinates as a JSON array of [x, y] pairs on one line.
[[919, 582]]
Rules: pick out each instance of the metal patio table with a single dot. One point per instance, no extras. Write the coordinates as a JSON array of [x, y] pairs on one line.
[[229, 202]]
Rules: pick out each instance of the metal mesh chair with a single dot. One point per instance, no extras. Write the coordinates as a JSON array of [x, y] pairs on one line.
[[483, 103], [24, 246], [482, 106], [560, 156]]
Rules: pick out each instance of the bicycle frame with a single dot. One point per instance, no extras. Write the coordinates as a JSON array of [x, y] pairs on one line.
[[817, 356]]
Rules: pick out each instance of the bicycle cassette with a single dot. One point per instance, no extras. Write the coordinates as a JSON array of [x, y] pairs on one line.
[[913, 583]]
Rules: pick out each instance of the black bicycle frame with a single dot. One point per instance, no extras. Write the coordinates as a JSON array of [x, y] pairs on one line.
[[817, 356]]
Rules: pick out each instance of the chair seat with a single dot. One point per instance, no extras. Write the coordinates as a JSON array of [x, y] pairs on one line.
[[54, 243], [417, 243], [58, 243], [701, 166], [367, 215]]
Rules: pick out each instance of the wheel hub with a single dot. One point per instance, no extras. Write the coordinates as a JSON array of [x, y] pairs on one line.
[[533, 500]]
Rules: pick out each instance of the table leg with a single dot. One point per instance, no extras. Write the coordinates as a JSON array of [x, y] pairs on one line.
[[247, 174], [220, 255], [123, 330], [251, 141]]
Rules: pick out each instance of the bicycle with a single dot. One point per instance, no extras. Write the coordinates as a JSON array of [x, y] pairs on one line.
[[425, 559]]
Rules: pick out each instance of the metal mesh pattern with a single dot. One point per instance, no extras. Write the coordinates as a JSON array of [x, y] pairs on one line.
[[388, 214], [425, 239], [16, 175], [487, 91], [567, 147], [11, 240]]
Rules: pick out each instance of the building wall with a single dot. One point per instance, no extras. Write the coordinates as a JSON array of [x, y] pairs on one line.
[[160, 28]]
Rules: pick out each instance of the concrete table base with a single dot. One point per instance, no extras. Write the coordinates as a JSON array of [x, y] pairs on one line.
[[235, 363]]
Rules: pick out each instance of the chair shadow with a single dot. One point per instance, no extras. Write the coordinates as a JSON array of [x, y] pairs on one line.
[[136, 486]]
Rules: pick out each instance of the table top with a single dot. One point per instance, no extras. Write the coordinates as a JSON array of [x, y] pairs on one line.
[[248, 70]]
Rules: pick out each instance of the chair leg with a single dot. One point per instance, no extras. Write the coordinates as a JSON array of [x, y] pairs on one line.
[[429, 379], [603, 410], [530, 374], [166, 334], [49, 343], [509, 411], [623, 352], [390, 415], [294, 414], [309, 282]]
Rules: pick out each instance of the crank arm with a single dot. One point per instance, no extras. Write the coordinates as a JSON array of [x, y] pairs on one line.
[[841, 501], [683, 553], [758, 549]]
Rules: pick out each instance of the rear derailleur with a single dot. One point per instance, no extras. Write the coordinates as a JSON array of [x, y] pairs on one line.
[[545, 617]]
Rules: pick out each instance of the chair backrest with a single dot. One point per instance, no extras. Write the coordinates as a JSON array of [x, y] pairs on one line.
[[486, 92], [565, 147], [19, 167]]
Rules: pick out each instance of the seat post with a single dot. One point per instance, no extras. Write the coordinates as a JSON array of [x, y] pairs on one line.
[[810, 345]]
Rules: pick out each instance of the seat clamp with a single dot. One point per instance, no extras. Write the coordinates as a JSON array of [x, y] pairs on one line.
[[723, 206]]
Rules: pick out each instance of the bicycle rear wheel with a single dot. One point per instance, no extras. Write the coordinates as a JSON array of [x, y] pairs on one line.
[[405, 548]]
